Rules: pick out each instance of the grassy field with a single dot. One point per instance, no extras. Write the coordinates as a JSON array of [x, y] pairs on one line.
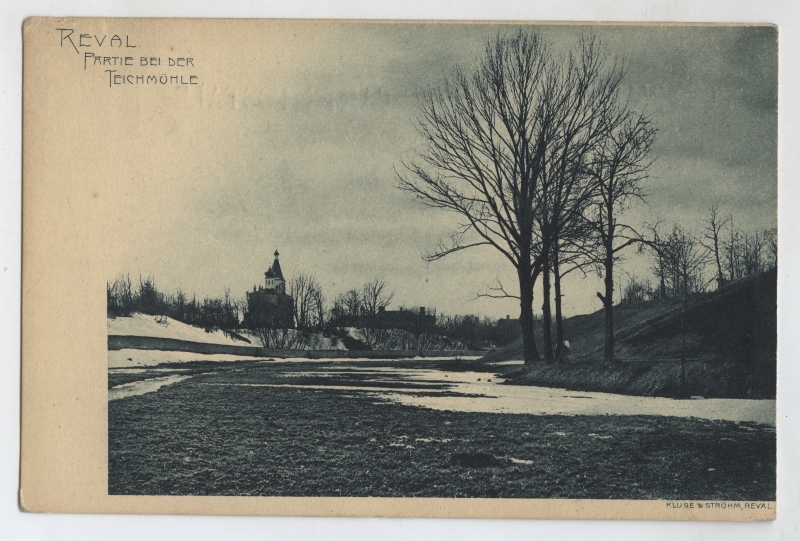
[[203, 436]]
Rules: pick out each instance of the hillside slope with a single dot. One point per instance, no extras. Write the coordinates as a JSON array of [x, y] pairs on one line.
[[738, 322], [150, 326], [166, 327]]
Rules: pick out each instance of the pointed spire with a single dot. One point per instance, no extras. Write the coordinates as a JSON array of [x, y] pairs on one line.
[[276, 267]]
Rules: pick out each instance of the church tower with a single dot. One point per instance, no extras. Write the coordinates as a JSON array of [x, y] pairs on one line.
[[274, 276], [270, 306]]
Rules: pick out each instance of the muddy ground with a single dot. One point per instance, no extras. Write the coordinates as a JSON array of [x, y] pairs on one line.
[[202, 436]]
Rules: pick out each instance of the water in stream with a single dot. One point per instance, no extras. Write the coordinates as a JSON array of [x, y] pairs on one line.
[[482, 392]]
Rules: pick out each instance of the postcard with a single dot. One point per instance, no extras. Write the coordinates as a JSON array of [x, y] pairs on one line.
[[389, 268]]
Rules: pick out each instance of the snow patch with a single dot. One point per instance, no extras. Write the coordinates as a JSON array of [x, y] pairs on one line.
[[144, 386], [166, 327]]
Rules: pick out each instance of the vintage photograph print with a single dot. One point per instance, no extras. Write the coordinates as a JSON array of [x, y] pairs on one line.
[[433, 260]]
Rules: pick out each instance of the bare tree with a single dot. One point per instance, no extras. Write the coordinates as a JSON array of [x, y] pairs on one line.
[[680, 260], [656, 244], [747, 253], [319, 308], [637, 290], [351, 300], [346, 310], [120, 296], [712, 238], [618, 165], [280, 337], [771, 241], [374, 297], [595, 114], [753, 245], [732, 250], [304, 290], [499, 151], [687, 261]]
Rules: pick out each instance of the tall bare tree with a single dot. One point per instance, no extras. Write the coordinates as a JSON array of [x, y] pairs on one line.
[[594, 112], [712, 239], [498, 142], [618, 165]]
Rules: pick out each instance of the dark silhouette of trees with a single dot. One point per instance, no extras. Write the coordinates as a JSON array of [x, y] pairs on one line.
[[771, 242], [618, 165], [504, 149], [123, 299], [151, 301], [120, 297], [687, 261], [319, 308], [637, 290], [680, 262], [306, 294], [746, 253], [351, 300]]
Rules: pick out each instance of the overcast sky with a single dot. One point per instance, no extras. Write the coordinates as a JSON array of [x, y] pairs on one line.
[[295, 148]]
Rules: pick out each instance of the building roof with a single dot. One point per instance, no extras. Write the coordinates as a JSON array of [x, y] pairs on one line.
[[275, 270]]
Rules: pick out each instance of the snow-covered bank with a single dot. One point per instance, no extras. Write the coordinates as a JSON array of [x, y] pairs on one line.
[[143, 387], [166, 327]]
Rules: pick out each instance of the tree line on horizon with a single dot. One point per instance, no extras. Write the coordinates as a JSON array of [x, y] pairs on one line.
[[124, 298], [357, 308], [681, 260]]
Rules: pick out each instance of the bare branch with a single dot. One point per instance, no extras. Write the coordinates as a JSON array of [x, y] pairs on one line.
[[496, 291]]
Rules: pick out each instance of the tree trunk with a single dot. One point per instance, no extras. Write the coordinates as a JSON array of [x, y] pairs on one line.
[[559, 319], [682, 392], [546, 314], [608, 264], [608, 306], [720, 275], [529, 351]]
